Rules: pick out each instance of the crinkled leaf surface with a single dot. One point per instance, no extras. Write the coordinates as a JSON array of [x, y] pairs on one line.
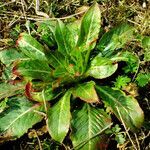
[[59, 118], [101, 67], [86, 124], [31, 47], [18, 117], [33, 69], [86, 92], [123, 106], [115, 38], [143, 79], [8, 90]]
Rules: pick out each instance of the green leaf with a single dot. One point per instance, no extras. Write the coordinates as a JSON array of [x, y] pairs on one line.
[[31, 47], [55, 59], [6, 74], [86, 92], [42, 93], [122, 81], [126, 108], [143, 79], [131, 59], [18, 117], [146, 46], [59, 118], [74, 28], [8, 56], [101, 67], [90, 27], [120, 138], [62, 72], [64, 39], [46, 29], [8, 90], [115, 38], [33, 69], [3, 105], [87, 124]]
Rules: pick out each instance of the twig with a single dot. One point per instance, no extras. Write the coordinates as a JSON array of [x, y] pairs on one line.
[[137, 141], [86, 140], [40, 113], [7, 3], [126, 129], [45, 19], [39, 142], [24, 13], [37, 5]]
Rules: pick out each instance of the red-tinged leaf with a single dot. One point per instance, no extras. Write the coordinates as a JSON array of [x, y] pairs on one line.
[[90, 27], [88, 125], [28, 90], [126, 108], [18, 117], [33, 69], [86, 92], [31, 47]]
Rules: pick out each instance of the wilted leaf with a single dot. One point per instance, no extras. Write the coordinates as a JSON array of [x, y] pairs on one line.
[[101, 67], [31, 47], [126, 108], [59, 118], [18, 117], [87, 124], [86, 92], [115, 38]]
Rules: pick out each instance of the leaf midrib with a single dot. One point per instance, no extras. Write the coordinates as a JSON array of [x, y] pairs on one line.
[[30, 109], [26, 43], [111, 97], [89, 128], [29, 70]]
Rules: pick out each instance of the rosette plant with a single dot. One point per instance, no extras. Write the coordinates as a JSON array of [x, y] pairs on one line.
[[62, 83]]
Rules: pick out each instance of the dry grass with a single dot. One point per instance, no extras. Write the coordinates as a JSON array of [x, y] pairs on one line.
[[16, 15]]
